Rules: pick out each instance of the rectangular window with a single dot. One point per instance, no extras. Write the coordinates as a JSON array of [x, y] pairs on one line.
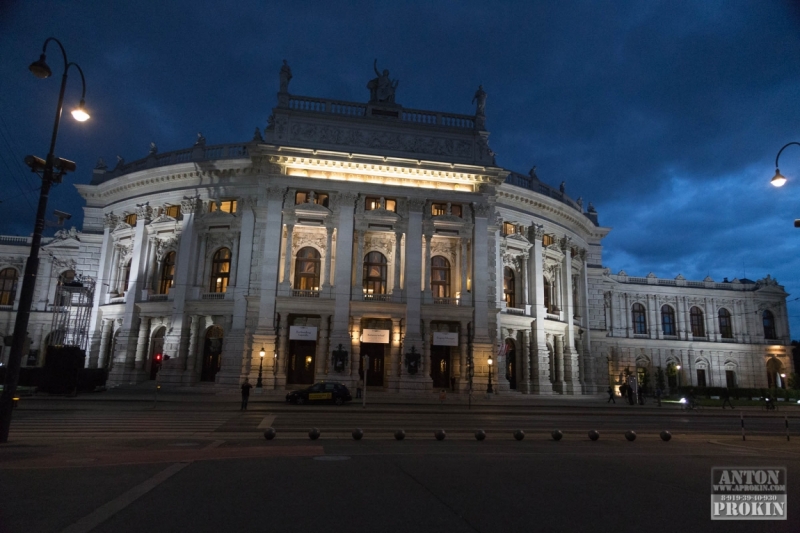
[[701, 377], [303, 197], [509, 228], [730, 379], [547, 240], [226, 206], [130, 219], [438, 209], [173, 211], [372, 203]]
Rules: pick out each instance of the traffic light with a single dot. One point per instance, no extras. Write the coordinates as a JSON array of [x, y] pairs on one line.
[[159, 359]]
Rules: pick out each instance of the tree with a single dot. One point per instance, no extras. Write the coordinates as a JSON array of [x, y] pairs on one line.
[[660, 378]]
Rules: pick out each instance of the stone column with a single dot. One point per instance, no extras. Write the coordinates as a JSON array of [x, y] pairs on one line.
[[342, 289], [524, 377], [524, 271], [358, 264], [413, 275], [687, 327], [540, 357], [711, 322], [105, 339], [113, 270], [142, 343], [425, 367], [680, 318], [627, 314], [396, 291], [191, 352], [560, 383], [737, 312], [427, 270], [355, 348], [465, 296], [279, 366], [326, 274], [463, 346], [287, 258], [395, 357], [570, 357], [322, 362], [103, 268]]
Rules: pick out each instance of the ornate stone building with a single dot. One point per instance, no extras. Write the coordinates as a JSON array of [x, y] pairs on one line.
[[352, 229]]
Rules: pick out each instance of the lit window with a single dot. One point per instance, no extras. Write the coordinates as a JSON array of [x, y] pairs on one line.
[[769, 325], [725, 326], [130, 219], [668, 320], [305, 197], [440, 277], [547, 240], [696, 320], [439, 209], [509, 228], [374, 273], [639, 319], [8, 286], [226, 206], [173, 211], [373, 203], [306, 269], [167, 274], [508, 287], [220, 270]]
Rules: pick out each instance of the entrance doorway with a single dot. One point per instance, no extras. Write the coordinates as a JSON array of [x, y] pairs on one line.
[[156, 348], [440, 367], [302, 355], [375, 351], [511, 363], [212, 354]]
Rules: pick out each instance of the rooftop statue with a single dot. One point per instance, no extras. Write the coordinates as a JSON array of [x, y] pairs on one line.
[[285, 77], [382, 88], [480, 97]]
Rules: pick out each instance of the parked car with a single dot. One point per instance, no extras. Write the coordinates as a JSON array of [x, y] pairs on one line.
[[324, 391]]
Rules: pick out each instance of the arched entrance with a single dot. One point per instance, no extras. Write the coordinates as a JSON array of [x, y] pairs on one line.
[[440, 366], [774, 370], [212, 353], [511, 363], [156, 348]]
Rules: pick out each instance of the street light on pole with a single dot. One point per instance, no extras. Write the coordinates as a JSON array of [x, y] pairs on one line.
[[778, 180], [41, 70], [489, 389], [261, 354]]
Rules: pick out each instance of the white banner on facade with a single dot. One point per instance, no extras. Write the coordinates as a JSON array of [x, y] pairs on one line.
[[302, 333], [380, 336], [445, 338]]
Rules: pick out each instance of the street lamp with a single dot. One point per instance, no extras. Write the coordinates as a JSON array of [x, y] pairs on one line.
[[489, 389], [41, 70], [261, 354], [678, 368], [778, 180]]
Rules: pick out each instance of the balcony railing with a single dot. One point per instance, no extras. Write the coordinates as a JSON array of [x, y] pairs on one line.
[[213, 296], [515, 311], [158, 297], [377, 297], [305, 293], [446, 301]]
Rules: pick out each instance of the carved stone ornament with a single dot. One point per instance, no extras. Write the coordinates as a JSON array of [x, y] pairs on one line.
[[416, 205], [64, 234], [768, 281], [190, 205], [482, 210], [248, 202], [275, 193], [565, 243], [144, 212], [219, 240], [383, 243], [110, 221], [607, 299], [166, 245], [303, 239], [419, 144], [538, 231]]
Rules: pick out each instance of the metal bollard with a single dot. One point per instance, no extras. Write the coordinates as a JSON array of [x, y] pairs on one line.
[[399, 434], [556, 435], [480, 434], [357, 434], [594, 435], [269, 434], [519, 434], [313, 434], [440, 434], [630, 435], [666, 435]]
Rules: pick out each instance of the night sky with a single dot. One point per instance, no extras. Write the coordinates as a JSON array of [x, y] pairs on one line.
[[667, 116]]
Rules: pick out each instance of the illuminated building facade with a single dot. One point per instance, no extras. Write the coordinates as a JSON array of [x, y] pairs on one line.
[[350, 229]]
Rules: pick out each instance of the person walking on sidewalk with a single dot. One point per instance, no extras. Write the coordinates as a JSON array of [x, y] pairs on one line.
[[245, 393], [726, 398], [359, 386], [611, 395], [658, 395]]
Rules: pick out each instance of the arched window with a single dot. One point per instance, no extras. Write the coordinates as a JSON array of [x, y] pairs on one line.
[[769, 324], [220, 270], [8, 286], [639, 319], [306, 269], [725, 326], [508, 287], [375, 273], [696, 320], [548, 295], [167, 274], [440, 277], [668, 320]]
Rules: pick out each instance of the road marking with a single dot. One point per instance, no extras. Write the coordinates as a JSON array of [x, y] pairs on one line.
[[103, 513], [266, 422]]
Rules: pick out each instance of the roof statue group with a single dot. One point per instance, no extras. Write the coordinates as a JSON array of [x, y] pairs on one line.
[[382, 89]]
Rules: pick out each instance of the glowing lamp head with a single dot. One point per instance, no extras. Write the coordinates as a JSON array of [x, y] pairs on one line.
[[778, 179], [40, 69], [490, 361], [262, 353], [678, 367], [683, 400], [79, 113]]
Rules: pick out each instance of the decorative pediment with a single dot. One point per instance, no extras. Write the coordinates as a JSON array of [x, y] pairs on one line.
[[163, 218]]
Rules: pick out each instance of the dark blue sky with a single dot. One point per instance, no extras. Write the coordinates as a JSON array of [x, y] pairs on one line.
[[666, 115]]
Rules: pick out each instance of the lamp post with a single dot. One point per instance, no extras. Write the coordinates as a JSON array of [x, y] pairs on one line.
[[261, 354], [489, 389], [678, 368], [778, 180], [41, 70]]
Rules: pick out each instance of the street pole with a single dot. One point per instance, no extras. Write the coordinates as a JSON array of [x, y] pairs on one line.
[[41, 70], [364, 391]]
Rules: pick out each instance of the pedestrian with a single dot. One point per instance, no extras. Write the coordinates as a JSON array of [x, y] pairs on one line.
[[611, 395], [630, 395], [726, 398], [658, 395], [359, 386], [245, 393], [640, 394]]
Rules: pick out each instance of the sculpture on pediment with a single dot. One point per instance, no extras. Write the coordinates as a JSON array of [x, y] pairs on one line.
[[201, 141], [480, 98], [153, 149], [257, 135], [101, 164], [532, 173], [285, 77], [120, 161], [382, 88], [64, 234], [769, 281]]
